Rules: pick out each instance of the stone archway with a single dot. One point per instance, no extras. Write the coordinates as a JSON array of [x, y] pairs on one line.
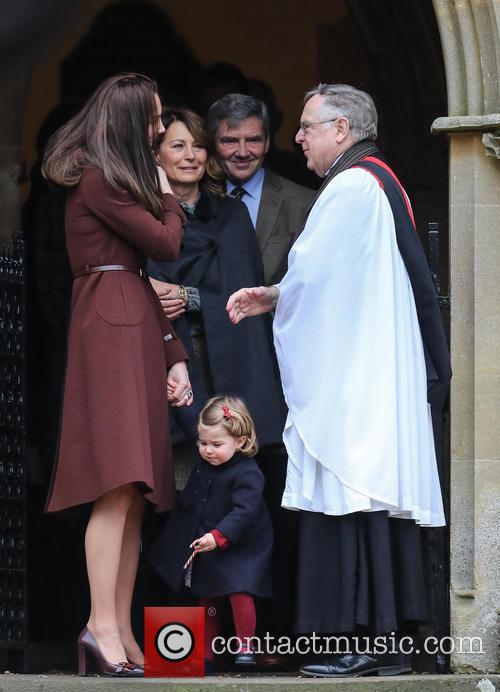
[[470, 36]]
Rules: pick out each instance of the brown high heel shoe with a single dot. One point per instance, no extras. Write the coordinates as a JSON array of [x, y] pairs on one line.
[[87, 646], [139, 666]]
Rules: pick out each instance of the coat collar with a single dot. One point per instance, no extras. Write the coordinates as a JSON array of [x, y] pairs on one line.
[[236, 459], [207, 207]]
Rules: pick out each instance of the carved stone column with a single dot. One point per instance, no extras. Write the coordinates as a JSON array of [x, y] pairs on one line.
[[470, 38]]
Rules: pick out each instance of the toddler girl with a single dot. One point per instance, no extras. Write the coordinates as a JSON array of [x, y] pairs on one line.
[[221, 515]]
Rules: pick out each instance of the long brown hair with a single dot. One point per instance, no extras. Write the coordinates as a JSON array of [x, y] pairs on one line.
[[213, 178], [111, 133]]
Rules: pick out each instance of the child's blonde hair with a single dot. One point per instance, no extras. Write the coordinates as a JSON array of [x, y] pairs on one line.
[[232, 413]]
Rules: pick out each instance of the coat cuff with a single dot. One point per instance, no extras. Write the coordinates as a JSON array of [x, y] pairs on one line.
[[221, 540], [174, 349]]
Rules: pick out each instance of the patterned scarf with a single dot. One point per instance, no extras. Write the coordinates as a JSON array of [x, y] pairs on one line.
[[188, 208]]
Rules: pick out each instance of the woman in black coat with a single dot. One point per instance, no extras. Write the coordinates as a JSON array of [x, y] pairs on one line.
[[219, 254], [221, 515]]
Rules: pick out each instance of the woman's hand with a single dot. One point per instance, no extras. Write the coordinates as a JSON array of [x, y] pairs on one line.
[[173, 305], [248, 302], [164, 184], [179, 389]]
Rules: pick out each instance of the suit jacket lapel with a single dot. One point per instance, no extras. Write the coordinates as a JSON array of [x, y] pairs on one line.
[[269, 208]]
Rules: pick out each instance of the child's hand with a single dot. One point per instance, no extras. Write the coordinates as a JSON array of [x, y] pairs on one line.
[[201, 545], [204, 544]]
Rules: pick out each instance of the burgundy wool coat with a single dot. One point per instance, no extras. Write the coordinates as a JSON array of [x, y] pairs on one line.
[[114, 426]]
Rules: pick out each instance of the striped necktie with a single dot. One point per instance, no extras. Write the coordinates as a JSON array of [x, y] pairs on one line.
[[237, 192]]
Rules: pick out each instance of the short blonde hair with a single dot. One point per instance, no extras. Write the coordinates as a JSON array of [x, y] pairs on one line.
[[232, 413]]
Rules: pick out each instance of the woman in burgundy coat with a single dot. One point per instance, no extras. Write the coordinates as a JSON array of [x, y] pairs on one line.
[[124, 358]]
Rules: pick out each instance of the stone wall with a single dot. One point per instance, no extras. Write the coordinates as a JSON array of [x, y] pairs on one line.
[[471, 46]]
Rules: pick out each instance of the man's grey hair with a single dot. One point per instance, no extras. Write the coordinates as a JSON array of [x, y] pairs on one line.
[[235, 108], [345, 100]]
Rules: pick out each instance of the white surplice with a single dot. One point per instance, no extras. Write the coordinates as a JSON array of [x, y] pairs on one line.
[[358, 433]]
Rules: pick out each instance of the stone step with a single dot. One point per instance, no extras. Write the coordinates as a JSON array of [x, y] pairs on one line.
[[256, 683]]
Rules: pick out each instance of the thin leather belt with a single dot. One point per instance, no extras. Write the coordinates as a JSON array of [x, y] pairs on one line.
[[89, 269]]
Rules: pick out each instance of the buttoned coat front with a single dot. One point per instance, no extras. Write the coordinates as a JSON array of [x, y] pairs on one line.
[[229, 498], [114, 427]]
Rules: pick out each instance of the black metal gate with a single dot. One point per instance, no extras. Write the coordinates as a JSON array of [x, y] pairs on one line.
[[439, 538], [13, 593]]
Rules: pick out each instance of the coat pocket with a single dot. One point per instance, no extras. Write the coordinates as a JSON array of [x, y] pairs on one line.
[[120, 298]]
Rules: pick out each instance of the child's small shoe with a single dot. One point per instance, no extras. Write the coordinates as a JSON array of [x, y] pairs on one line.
[[245, 660]]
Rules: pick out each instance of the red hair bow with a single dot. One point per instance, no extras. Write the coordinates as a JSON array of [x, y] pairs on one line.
[[226, 412]]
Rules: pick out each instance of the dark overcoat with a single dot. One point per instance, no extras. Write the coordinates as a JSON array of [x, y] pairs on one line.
[[229, 498], [219, 255], [114, 427]]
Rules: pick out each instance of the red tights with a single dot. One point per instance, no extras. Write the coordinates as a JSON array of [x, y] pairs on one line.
[[243, 608]]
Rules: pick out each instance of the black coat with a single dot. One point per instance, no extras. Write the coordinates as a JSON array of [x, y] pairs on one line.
[[219, 255], [229, 498]]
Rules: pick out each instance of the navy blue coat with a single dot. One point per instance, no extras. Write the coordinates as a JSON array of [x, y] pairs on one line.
[[229, 498]]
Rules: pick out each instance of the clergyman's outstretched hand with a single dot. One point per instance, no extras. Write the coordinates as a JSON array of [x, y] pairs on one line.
[[248, 302]]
